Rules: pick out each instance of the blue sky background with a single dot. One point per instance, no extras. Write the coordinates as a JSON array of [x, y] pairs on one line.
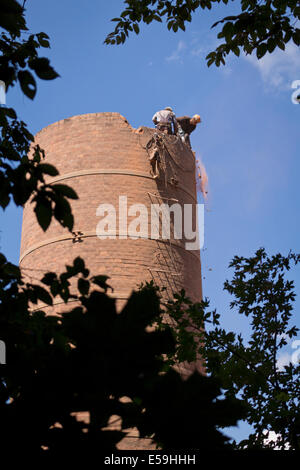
[[248, 141]]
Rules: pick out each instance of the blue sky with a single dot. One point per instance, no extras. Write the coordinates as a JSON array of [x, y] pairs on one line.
[[248, 141]]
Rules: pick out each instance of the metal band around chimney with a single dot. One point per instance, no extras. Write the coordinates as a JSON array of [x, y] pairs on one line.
[[118, 235], [104, 171]]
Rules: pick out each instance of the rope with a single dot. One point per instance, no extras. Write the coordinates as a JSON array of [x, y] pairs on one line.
[[165, 160]]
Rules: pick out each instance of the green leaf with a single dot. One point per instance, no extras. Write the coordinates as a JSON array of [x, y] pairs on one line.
[[43, 295], [100, 281], [63, 212], [27, 83], [43, 212], [296, 37], [68, 220], [228, 31], [4, 198], [43, 39], [79, 264], [236, 51], [83, 286], [48, 169], [43, 69], [271, 45], [10, 112], [12, 270], [65, 190], [261, 50], [136, 28], [49, 278], [282, 396]]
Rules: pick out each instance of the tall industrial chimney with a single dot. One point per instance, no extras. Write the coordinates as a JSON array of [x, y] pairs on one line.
[[106, 161], [102, 158]]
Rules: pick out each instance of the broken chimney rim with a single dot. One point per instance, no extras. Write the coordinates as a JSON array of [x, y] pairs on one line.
[[105, 116]]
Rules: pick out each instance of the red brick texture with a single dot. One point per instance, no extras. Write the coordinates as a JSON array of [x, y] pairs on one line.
[[101, 157]]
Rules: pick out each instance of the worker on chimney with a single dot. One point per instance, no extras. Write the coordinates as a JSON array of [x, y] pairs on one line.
[[186, 125], [164, 120]]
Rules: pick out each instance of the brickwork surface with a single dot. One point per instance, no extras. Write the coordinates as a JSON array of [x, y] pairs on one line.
[[102, 157], [106, 143]]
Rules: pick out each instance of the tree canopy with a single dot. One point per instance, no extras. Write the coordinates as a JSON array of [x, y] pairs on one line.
[[22, 171], [249, 368], [260, 27]]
